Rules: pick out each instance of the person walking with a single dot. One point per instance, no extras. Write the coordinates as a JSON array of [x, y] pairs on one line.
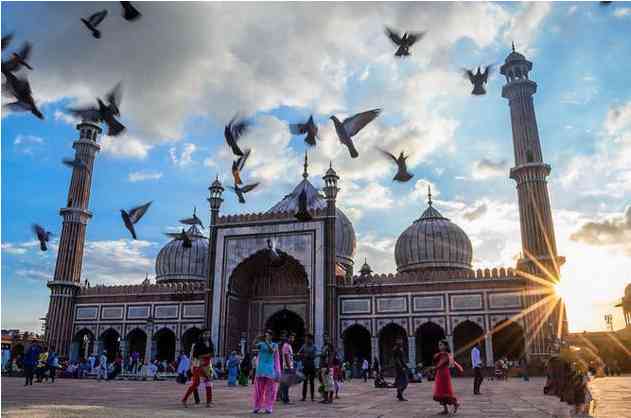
[[443, 389], [101, 370], [375, 367], [183, 365], [401, 370], [267, 374], [308, 354], [523, 364], [233, 368], [30, 360], [200, 361], [365, 367], [53, 363], [476, 363], [287, 362]]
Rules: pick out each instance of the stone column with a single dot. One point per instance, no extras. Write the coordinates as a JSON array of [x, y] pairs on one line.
[[488, 345], [450, 340], [374, 344], [412, 352]]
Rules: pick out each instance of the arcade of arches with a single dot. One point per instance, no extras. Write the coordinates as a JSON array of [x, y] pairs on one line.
[[266, 293], [507, 337]]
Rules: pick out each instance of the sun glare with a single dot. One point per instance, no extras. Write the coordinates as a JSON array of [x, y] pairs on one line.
[[563, 289]]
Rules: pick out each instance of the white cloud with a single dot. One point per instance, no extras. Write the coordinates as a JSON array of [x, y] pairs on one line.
[[486, 168], [378, 252], [124, 146], [622, 12], [144, 175], [13, 249], [476, 213], [186, 155], [419, 193], [524, 26], [121, 261], [27, 144], [66, 118]]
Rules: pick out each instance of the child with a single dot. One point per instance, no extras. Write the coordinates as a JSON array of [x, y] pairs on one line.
[[328, 383], [338, 377]]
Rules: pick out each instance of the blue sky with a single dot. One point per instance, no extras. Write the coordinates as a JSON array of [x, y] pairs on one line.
[[187, 69]]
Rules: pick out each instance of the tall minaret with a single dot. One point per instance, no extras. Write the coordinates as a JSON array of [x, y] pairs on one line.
[[530, 173], [67, 278]]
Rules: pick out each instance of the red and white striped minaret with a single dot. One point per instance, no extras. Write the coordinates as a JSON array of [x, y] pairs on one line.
[[540, 262], [67, 278]]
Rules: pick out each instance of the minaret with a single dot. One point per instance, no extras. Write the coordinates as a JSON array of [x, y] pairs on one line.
[[330, 298], [67, 278], [539, 250], [530, 172], [215, 200]]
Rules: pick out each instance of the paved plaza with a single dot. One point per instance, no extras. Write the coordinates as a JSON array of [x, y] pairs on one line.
[[88, 398]]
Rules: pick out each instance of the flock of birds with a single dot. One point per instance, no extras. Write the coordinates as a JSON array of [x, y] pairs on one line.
[[108, 109]]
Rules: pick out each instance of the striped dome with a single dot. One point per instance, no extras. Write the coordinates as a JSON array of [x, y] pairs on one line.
[[433, 242], [176, 263], [345, 241]]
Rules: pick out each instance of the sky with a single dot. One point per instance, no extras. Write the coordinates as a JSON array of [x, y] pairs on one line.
[[187, 68]]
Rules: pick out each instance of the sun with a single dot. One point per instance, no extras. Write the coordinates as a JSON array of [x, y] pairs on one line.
[[563, 289]]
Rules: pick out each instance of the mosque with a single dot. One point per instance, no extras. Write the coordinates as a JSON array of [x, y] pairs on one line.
[[228, 284]]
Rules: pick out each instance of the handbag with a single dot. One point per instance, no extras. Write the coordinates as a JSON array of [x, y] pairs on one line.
[[290, 377]]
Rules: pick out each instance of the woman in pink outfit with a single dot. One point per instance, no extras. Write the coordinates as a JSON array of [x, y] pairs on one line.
[[267, 374]]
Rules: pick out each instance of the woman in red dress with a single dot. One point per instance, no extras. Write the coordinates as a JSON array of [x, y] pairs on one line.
[[443, 389]]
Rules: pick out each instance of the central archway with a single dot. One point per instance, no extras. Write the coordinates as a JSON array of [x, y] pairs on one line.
[[508, 340], [262, 284], [84, 342], [466, 335], [287, 321], [137, 342]]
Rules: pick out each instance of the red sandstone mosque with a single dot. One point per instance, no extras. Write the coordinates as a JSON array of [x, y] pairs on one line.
[[225, 282]]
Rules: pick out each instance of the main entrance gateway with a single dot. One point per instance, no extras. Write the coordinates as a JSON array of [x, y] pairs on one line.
[[266, 293]]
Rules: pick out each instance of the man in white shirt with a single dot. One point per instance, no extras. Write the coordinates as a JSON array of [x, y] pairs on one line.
[[476, 363], [365, 367]]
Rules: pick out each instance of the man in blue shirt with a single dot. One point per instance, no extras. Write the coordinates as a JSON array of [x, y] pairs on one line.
[[30, 362], [476, 363]]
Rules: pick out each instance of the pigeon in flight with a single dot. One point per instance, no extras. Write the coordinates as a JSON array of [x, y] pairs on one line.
[[240, 191], [76, 163], [479, 79], [181, 236], [21, 90], [6, 40], [133, 217], [130, 13], [349, 128], [17, 60], [42, 235], [302, 214], [237, 166], [104, 112], [193, 220], [402, 173], [233, 131], [93, 21], [308, 128], [405, 42]]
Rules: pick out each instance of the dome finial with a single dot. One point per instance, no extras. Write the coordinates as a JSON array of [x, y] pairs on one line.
[[305, 174], [429, 194]]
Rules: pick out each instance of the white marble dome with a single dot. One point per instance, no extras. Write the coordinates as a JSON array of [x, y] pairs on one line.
[[433, 242], [345, 240], [175, 263]]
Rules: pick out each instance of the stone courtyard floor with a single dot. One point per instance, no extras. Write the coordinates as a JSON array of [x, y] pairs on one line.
[[88, 398]]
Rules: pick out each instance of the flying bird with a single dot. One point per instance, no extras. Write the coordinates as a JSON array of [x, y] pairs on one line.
[[21, 90], [402, 173], [479, 79], [308, 128], [6, 40], [351, 126], [17, 60], [181, 236], [133, 217], [42, 235], [240, 191], [130, 13], [233, 131], [75, 163], [237, 166], [302, 214], [93, 21], [193, 220], [105, 112], [405, 42]]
